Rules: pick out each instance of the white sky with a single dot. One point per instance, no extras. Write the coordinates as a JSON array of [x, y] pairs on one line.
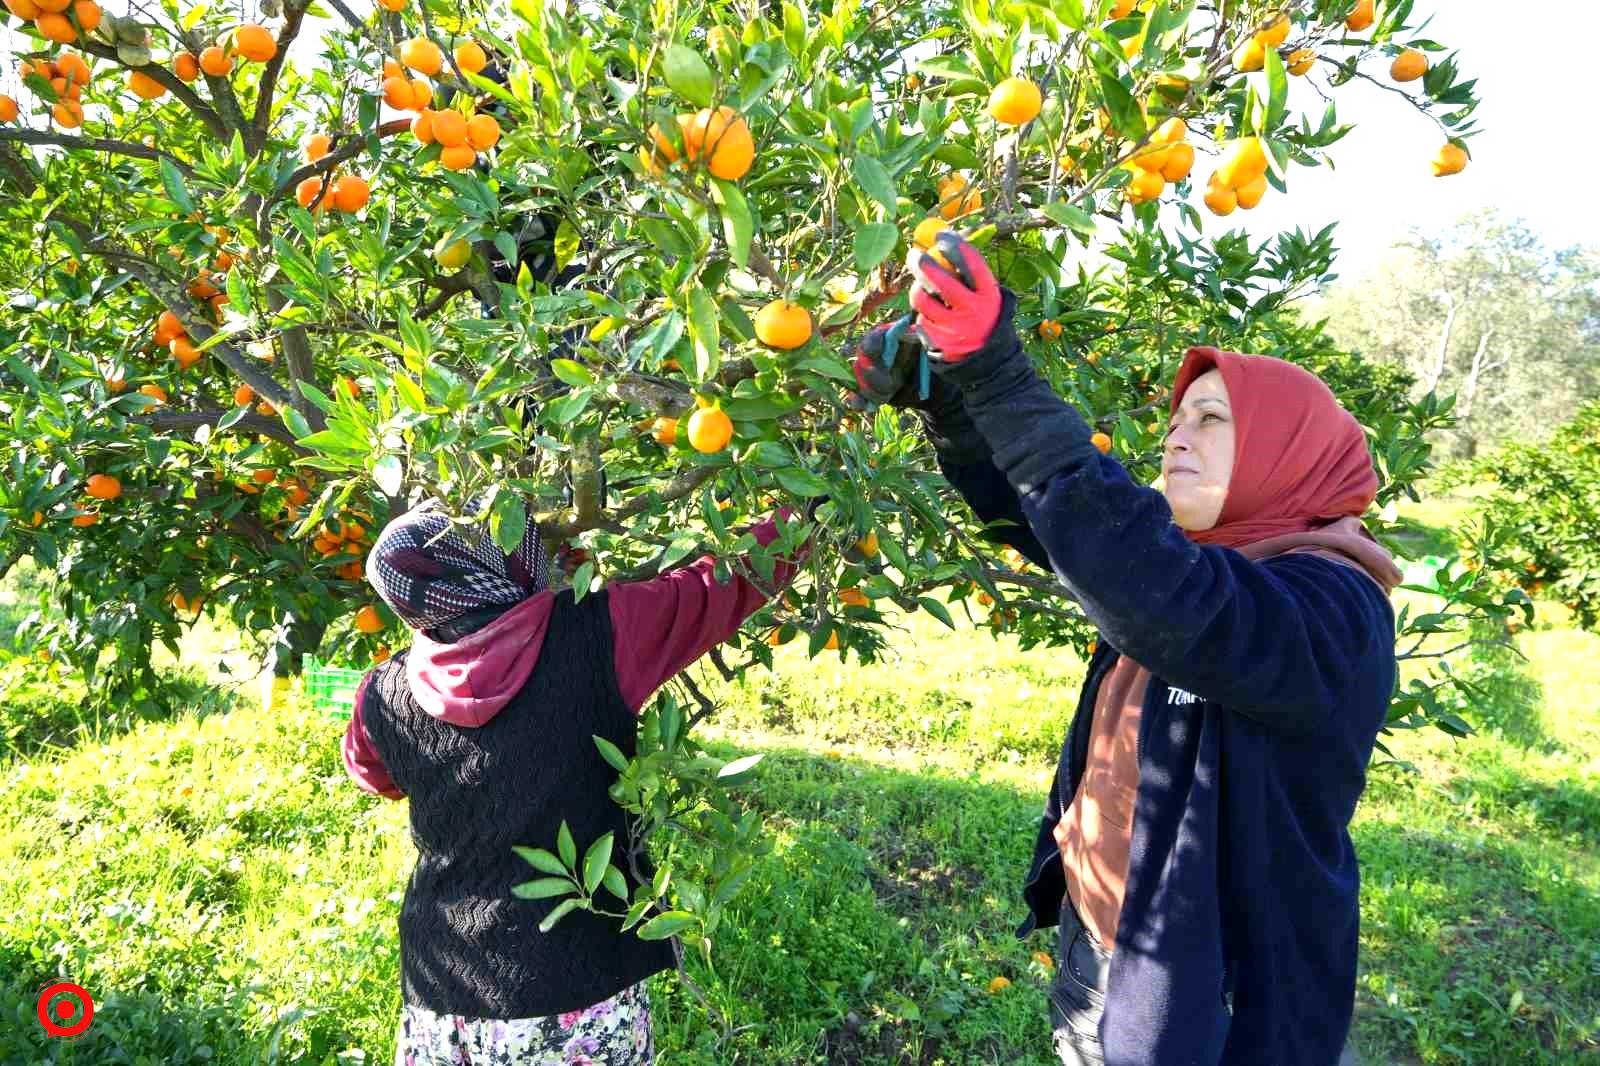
[[1537, 86], [1536, 82]]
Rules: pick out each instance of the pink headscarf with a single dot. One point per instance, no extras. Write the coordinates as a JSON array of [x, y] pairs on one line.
[[1302, 475]]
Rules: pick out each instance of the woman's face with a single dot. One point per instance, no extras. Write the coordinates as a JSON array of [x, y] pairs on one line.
[[1197, 463]]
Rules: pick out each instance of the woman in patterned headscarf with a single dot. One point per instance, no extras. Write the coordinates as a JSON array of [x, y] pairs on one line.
[[487, 724]]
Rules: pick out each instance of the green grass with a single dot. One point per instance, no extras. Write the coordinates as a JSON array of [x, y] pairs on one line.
[[218, 884]]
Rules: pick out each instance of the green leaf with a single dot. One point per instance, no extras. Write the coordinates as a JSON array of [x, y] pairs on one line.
[[410, 392], [666, 237], [703, 333], [874, 181], [1074, 218], [738, 223], [510, 521], [566, 244], [874, 242], [544, 888], [506, 245], [688, 76], [937, 609], [540, 859], [595, 861], [958, 155], [560, 412], [172, 178], [1277, 89], [388, 473], [738, 768], [564, 908], [666, 925], [1125, 114], [768, 453], [296, 422], [615, 883], [566, 847], [611, 753], [571, 371], [801, 482], [760, 409], [336, 438]]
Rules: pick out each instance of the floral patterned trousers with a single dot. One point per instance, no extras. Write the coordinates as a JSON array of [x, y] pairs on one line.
[[615, 1032]]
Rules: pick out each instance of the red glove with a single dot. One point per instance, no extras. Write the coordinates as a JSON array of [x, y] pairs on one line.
[[956, 310]]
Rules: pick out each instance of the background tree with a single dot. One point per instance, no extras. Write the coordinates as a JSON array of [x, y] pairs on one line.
[[1488, 313]]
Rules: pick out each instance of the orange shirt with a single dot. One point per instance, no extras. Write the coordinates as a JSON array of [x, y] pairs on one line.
[[1096, 829]]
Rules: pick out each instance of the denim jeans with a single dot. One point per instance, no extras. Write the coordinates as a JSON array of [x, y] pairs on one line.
[[1077, 998]]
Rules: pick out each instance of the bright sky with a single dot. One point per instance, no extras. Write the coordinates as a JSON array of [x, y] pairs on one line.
[[1535, 89]]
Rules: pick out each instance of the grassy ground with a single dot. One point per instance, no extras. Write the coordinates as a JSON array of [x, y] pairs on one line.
[[226, 894]]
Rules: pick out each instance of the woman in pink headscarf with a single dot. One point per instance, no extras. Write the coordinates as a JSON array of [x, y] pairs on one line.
[[487, 726], [1195, 850]]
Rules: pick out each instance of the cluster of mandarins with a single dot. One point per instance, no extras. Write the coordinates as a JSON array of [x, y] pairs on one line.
[[342, 537], [60, 21], [1240, 179], [1168, 157], [208, 284], [348, 193], [460, 136], [65, 78], [250, 42], [710, 429], [719, 139], [101, 488]]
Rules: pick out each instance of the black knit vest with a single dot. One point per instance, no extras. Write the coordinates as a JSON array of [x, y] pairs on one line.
[[467, 945]]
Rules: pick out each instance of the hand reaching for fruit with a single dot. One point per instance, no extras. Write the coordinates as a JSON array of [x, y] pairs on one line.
[[896, 384], [955, 295]]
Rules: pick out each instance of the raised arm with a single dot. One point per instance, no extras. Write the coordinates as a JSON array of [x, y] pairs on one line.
[[1278, 642], [662, 625]]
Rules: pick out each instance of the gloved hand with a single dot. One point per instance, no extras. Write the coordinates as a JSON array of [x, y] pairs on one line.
[[943, 414], [895, 385], [956, 297]]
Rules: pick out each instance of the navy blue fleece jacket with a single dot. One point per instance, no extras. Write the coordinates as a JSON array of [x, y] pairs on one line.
[[1237, 940]]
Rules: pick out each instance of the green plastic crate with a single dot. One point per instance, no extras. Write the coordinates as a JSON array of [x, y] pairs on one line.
[[331, 688]]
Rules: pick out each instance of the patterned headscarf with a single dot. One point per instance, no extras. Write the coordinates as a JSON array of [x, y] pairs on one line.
[[429, 573]]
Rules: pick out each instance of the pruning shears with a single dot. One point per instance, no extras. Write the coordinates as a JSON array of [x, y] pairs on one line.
[[947, 254], [894, 337]]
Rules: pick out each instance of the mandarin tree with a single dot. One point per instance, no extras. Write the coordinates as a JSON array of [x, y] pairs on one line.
[[523, 251], [505, 254]]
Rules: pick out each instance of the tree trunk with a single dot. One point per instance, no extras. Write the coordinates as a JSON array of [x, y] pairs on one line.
[[1430, 382], [1469, 393], [298, 638], [9, 560]]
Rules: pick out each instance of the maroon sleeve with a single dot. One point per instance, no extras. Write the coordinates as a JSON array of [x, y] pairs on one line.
[[662, 625], [361, 760]]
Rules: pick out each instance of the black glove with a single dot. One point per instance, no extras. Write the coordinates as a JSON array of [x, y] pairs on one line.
[[943, 414]]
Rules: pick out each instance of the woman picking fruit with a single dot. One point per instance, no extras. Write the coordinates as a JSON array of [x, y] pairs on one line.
[[1195, 848], [487, 724]]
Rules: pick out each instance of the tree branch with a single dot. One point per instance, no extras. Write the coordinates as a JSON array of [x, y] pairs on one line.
[[554, 532], [96, 144], [172, 297], [262, 424], [189, 98], [706, 706], [21, 174], [293, 14], [335, 156], [356, 23]]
